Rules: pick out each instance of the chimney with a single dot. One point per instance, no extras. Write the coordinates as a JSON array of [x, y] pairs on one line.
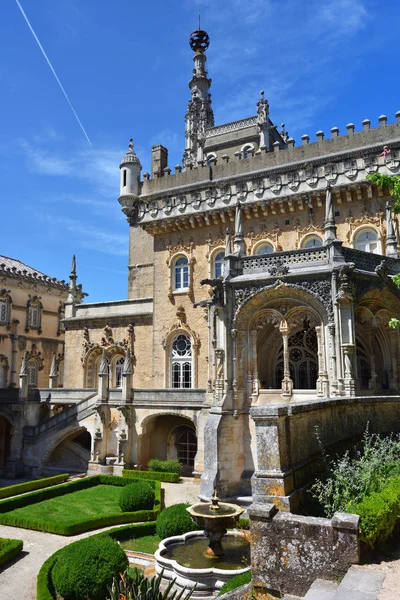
[[159, 160]]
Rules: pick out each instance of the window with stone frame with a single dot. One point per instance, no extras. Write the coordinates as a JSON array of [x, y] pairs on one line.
[[265, 248], [61, 316], [181, 273], [118, 368], [5, 308], [367, 241], [312, 241], [33, 371], [219, 264], [181, 362], [34, 314]]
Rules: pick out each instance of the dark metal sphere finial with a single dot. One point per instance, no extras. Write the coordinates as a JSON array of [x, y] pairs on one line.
[[199, 41]]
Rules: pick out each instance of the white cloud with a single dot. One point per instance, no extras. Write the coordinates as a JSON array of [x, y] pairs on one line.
[[341, 17], [92, 237]]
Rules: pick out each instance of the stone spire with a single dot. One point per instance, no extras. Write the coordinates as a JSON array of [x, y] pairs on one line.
[[24, 365], [199, 114], [73, 296], [127, 368], [103, 369], [391, 238], [330, 223], [238, 240]]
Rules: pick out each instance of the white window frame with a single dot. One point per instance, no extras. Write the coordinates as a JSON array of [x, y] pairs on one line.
[[180, 287], [363, 230], [181, 361], [263, 244], [308, 238]]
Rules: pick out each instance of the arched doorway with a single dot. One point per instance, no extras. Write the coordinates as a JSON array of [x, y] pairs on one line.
[[5, 441], [169, 437], [303, 360]]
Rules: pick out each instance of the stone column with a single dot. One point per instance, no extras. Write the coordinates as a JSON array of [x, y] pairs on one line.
[[322, 381], [349, 381], [287, 383], [273, 478], [372, 383], [255, 381], [332, 360], [103, 378], [14, 354], [394, 342]]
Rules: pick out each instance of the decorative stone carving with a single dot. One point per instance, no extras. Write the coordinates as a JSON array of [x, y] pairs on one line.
[[293, 179], [311, 176], [226, 194], [211, 196], [275, 182], [181, 325], [365, 219], [351, 168], [346, 291], [331, 172], [371, 163], [258, 187]]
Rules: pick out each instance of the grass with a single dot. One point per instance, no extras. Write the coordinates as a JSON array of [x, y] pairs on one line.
[[92, 502], [147, 544]]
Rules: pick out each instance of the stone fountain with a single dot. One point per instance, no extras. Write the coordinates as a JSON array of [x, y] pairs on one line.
[[207, 558]]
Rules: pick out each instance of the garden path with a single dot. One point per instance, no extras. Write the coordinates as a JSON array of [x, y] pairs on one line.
[[18, 578]]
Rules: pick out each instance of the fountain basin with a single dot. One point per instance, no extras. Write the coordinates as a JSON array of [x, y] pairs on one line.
[[209, 580]]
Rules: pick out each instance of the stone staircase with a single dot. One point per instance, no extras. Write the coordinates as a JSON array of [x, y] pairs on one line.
[[359, 583]]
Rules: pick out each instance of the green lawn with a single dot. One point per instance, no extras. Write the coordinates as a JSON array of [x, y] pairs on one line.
[[147, 544], [93, 502]]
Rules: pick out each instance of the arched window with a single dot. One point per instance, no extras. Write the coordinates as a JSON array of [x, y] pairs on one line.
[[264, 249], [312, 241], [119, 367], [181, 273], [181, 362], [219, 264], [367, 240], [247, 149], [32, 373]]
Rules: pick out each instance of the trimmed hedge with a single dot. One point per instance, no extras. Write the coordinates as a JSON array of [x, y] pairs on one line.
[[235, 582], [139, 495], [44, 586], [78, 526], [378, 513], [9, 549], [151, 475], [165, 466], [175, 520], [103, 560], [30, 486]]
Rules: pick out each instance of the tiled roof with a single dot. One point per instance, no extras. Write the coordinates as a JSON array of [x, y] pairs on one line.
[[15, 268]]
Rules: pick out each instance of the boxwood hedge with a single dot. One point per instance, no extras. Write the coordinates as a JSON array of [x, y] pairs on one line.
[[45, 588], [30, 486], [378, 513], [9, 549], [153, 475], [165, 466], [80, 524]]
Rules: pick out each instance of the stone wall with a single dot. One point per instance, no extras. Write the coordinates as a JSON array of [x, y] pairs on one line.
[[288, 552]]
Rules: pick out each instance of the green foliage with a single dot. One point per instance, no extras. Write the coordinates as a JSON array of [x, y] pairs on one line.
[[86, 571], [174, 520], [76, 512], [29, 486], [164, 466], [45, 588], [243, 523], [378, 513], [392, 182], [151, 475], [137, 496], [235, 582], [133, 585], [9, 549], [356, 475]]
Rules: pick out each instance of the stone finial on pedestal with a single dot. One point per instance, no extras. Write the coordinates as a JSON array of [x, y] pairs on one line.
[[53, 373], [23, 377], [103, 378]]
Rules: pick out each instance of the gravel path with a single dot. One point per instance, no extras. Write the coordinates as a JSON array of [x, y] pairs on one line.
[[18, 578]]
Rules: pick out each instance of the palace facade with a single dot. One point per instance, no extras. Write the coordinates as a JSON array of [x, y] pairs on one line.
[[260, 283]]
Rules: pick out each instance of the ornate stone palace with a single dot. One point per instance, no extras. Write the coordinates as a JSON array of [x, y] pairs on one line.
[[260, 293]]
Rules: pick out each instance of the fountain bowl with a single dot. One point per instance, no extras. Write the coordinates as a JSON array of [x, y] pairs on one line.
[[206, 581]]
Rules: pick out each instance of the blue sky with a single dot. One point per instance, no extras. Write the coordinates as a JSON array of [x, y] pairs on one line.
[[125, 68]]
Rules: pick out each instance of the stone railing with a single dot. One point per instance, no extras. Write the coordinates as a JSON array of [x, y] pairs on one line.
[[367, 261], [233, 126], [170, 397], [291, 258]]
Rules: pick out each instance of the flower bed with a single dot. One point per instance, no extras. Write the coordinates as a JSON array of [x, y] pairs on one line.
[[82, 519]]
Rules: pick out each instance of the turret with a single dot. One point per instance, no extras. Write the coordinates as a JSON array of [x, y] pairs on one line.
[[130, 173], [199, 116]]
